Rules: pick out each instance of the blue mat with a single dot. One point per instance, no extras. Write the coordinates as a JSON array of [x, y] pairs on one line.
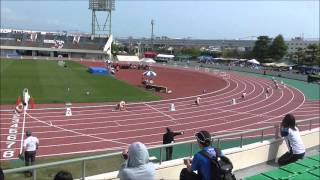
[[98, 70]]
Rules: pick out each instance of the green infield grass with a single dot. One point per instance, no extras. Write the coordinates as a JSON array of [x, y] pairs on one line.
[[50, 83]]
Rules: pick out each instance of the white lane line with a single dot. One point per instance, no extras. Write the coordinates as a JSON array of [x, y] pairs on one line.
[[22, 132], [101, 139], [118, 124], [171, 118]]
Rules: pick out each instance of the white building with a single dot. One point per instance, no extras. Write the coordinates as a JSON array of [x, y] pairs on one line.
[[298, 42]]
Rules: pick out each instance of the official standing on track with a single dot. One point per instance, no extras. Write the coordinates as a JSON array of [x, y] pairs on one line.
[[168, 138], [30, 146]]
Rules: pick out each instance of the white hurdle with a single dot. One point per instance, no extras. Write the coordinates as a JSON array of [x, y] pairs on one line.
[[68, 111], [172, 107], [234, 101]]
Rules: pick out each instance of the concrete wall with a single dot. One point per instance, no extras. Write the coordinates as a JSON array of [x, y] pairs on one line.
[[244, 157]]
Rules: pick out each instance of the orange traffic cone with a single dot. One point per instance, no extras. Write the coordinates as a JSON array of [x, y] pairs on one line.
[[19, 100], [32, 103]]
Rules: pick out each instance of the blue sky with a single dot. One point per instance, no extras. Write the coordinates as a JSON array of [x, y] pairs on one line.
[[178, 18]]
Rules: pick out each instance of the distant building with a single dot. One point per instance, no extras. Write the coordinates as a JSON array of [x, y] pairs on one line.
[[52, 44], [295, 43]]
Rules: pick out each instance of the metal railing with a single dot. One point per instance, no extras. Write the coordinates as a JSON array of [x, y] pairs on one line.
[[307, 122]]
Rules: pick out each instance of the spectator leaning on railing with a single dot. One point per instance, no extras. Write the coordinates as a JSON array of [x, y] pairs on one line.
[[136, 165], [294, 142]]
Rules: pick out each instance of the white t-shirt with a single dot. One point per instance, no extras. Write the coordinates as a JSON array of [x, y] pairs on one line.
[[294, 141], [30, 144]]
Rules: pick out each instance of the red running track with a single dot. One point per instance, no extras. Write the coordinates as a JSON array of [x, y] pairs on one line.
[[98, 128]]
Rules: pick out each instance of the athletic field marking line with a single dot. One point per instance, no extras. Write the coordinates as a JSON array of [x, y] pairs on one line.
[[230, 121], [137, 103], [84, 114], [176, 114], [91, 114], [103, 106], [23, 126], [139, 110], [118, 124], [310, 111], [307, 114], [154, 122], [293, 95], [165, 114], [101, 139]]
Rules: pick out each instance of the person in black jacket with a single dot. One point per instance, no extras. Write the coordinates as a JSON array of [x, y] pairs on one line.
[[168, 138]]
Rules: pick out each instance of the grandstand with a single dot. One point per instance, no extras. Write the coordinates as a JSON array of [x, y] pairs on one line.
[[52, 44]]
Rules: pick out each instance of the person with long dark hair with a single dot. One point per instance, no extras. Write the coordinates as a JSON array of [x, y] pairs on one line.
[[291, 134]]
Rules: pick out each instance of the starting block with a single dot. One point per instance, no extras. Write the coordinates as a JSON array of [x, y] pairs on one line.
[[266, 96], [68, 111], [172, 107], [234, 101]]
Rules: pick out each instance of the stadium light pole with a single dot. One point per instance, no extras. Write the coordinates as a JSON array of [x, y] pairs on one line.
[[152, 35], [101, 6]]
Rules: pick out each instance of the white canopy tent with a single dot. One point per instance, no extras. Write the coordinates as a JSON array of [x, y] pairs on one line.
[[253, 61], [281, 64], [130, 59], [147, 61], [165, 56]]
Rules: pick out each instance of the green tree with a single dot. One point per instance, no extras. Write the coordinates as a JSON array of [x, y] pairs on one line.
[[193, 52], [115, 48], [278, 48], [261, 48], [300, 56], [231, 53], [214, 54]]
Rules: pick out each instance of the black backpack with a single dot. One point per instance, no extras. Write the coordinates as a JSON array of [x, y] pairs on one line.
[[221, 166]]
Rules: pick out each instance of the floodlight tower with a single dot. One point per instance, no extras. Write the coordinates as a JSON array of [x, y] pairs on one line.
[[101, 6], [152, 35]]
